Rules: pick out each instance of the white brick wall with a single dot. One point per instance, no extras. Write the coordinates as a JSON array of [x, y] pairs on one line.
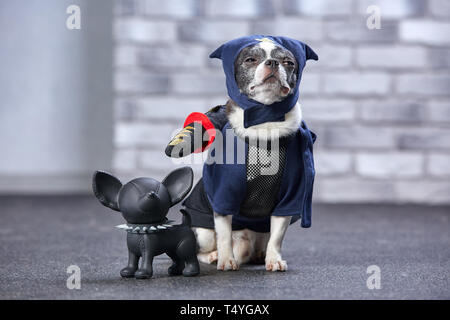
[[394, 57], [425, 31], [389, 165], [379, 100]]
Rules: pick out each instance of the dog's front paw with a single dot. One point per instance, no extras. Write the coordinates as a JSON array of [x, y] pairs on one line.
[[276, 264], [227, 263]]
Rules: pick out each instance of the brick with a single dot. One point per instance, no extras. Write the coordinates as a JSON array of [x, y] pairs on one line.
[[126, 7], [439, 111], [212, 31], [357, 83], [173, 57], [310, 83], [439, 57], [331, 56], [238, 8], [439, 8], [424, 139], [439, 165], [157, 163], [172, 8], [321, 110], [357, 31], [190, 83], [332, 162], [124, 109], [125, 56], [392, 57], [354, 137], [168, 108], [136, 134], [430, 192], [124, 160], [425, 31], [353, 190], [394, 9], [424, 84], [155, 160], [300, 29], [318, 7], [142, 31], [395, 111], [389, 165], [130, 82]]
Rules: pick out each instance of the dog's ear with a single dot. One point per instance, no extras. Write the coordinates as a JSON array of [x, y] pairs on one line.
[[179, 183], [310, 54], [106, 187]]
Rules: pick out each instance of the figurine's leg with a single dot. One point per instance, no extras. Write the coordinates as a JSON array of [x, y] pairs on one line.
[[192, 267], [187, 251], [146, 269], [129, 271], [177, 266]]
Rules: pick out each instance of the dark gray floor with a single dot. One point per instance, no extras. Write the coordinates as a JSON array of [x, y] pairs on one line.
[[41, 236]]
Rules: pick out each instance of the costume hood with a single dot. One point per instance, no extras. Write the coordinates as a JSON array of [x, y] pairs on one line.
[[254, 111]]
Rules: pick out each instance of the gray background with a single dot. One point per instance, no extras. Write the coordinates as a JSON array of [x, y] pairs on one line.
[[56, 94], [378, 99]]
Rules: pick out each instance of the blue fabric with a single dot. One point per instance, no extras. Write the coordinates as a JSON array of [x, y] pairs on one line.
[[255, 112], [225, 184]]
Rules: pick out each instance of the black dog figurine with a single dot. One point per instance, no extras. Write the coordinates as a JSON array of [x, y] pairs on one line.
[[144, 203]]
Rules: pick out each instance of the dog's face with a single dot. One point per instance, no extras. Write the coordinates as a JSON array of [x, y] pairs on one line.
[[143, 200], [266, 72]]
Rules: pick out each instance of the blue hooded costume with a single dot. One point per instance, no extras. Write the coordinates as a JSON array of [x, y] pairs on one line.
[[230, 188]]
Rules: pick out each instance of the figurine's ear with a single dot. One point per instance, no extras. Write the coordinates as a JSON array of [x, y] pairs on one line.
[[106, 188], [179, 183]]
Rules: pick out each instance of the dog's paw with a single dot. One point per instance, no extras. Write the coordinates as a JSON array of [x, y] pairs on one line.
[[227, 263], [276, 264], [212, 257], [208, 257]]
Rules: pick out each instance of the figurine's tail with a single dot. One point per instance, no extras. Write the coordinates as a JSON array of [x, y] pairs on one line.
[[186, 218]]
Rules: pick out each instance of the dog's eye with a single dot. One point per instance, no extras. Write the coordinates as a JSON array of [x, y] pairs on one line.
[[288, 63], [250, 59]]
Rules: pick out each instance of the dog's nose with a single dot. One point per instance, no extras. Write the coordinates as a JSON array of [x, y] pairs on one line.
[[272, 63]]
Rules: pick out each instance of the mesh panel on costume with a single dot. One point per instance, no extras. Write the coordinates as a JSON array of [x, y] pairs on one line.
[[265, 167]]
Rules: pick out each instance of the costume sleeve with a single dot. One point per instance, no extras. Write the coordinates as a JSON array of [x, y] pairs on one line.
[[198, 132]]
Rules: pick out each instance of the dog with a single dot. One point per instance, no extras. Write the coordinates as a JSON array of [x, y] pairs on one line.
[[144, 203], [263, 76]]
